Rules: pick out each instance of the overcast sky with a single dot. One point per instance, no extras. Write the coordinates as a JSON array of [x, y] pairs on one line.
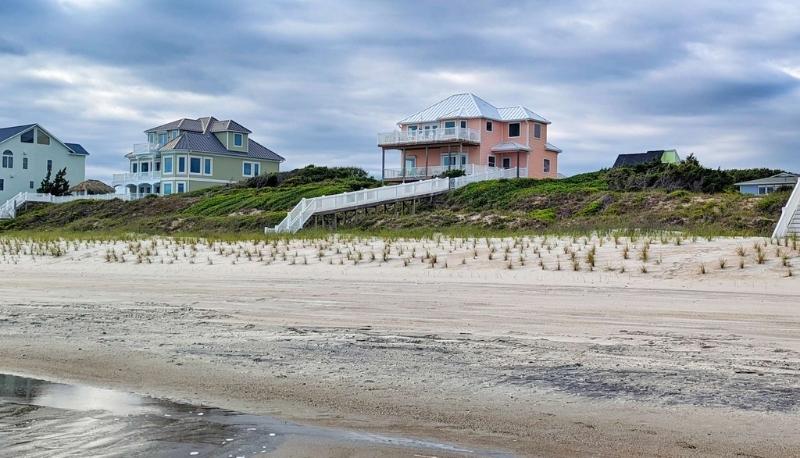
[[316, 80]]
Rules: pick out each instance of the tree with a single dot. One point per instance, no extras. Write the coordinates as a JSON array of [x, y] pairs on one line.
[[46, 184], [59, 186]]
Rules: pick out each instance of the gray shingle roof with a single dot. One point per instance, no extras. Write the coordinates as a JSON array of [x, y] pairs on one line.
[[8, 132], [259, 151], [209, 143], [77, 149], [509, 146], [471, 106], [624, 160], [229, 126], [205, 124], [784, 178], [552, 147]]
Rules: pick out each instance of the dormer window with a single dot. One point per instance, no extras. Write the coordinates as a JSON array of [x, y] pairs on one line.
[[537, 130], [513, 129], [238, 139], [162, 138]]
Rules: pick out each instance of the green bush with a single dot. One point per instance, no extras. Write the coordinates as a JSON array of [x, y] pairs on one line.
[[688, 175], [454, 173]]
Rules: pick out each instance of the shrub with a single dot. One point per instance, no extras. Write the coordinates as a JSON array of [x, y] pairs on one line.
[[687, 175], [454, 173]]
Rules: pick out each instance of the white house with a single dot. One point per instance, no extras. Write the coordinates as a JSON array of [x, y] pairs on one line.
[[28, 152]]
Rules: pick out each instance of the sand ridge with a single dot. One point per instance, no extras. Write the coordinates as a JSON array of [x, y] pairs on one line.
[[594, 361]]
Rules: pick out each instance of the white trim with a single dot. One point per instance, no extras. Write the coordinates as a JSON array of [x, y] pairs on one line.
[[210, 180], [455, 155], [172, 165], [52, 137], [185, 163], [190, 165], [164, 184], [203, 166], [185, 187], [252, 169]]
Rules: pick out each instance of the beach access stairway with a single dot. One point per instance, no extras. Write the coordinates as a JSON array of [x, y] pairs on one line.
[[365, 198], [790, 216], [9, 209]]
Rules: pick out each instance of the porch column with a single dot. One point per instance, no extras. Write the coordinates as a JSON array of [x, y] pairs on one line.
[[449, 157], [383, 164], [426, 161], [517, 163], [403, 160], [460, 152]]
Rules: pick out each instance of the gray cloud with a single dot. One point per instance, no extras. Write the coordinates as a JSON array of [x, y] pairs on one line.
[[317, 80]]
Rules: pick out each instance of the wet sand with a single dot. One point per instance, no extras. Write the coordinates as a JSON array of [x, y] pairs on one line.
[[537, 361]]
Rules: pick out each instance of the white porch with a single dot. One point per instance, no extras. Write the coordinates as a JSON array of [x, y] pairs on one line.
[[436, 170]]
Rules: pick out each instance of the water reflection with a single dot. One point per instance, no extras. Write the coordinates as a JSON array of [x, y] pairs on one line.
[[44, 419]]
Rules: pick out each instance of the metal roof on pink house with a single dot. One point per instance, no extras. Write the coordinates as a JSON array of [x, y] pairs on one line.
[[468, 106]]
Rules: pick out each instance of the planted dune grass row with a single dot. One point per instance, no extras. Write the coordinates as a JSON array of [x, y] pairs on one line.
[[620, 252]]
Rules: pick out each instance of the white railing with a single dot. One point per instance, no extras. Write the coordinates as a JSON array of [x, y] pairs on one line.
[[404, 137], [145, 148], [119, 179], [435, 170], [789, 212], [306, 208], [9, 208]]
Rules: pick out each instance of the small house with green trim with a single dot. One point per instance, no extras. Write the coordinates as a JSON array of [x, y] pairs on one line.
[[665, 156], [764, 186], [191, 154]]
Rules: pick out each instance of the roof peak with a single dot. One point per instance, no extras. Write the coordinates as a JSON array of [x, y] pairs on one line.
[[470, 105]]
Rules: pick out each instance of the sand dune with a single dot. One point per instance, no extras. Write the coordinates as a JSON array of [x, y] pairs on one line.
[[541, 345]]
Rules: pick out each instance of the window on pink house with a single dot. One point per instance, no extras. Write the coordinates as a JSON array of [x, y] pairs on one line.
[[513, 129], [547, 166], [506, 162], [537, 130], [463, 124], [489, 126], [492, 161]]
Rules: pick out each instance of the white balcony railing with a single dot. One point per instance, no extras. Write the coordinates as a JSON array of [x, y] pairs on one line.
[[411, 137], [436, 170], [119, 179], [300, 214], [145, 148]]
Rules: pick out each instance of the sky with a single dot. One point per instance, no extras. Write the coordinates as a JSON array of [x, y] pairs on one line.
[[317, 80]]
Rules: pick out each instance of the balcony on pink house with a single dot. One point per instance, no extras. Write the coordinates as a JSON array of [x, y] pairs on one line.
[[466, 132]]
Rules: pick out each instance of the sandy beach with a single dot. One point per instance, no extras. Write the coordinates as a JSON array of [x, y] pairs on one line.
[[602, 346]]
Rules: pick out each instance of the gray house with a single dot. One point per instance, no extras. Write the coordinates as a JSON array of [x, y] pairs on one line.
[[28, 152], [764, 186]]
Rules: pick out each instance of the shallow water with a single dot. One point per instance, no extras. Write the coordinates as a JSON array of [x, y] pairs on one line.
[[44, 419]]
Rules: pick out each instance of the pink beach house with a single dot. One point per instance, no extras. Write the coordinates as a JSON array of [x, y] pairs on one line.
[[466, 132]]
